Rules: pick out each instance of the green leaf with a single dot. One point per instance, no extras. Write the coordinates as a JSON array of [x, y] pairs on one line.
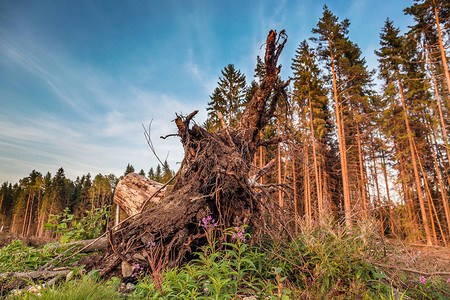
[[379, 275]]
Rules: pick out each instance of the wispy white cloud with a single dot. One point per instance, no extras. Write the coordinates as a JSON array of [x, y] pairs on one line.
[[206, 80], [28, 62], [104, 132]]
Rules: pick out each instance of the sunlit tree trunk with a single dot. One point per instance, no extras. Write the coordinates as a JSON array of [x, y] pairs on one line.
[[1, 202], [261, 159], [316, 168], [441, 47], [361, 170], [391, 217], [26, 214], [306, 186], [431, 207], [439, 105], [280, 194], [414, 163], [294, 185], [30, 218], [375, 177], [441, 187], [342, 150], [406, 191], [325, 189]]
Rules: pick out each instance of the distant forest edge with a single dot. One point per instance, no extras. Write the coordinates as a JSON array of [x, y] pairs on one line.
[[348, 152], [26, 206]]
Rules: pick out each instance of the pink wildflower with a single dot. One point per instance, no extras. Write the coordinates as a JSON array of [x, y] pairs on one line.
[[239, 234], [209, 222]]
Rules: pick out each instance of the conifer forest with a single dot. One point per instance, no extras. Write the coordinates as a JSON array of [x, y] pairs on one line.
[[334, 154]]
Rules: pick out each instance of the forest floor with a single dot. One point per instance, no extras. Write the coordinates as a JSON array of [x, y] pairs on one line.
[[421, 272], [6, 238]]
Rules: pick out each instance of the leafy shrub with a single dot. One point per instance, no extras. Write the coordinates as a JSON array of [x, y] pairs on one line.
[[215, 274], [70, 229], [323, 261], [17, 257]]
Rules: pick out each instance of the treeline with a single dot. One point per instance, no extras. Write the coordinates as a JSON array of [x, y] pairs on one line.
[[349, 150], [26, 206]]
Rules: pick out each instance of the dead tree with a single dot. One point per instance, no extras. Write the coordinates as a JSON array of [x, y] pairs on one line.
[[214, 181]]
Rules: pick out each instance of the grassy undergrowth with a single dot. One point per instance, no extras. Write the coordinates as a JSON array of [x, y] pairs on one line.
[[320, 262]]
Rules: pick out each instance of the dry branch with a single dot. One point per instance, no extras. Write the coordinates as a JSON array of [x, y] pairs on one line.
[[412, 270], [34, 274]]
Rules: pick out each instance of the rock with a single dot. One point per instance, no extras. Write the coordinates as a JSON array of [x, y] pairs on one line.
[[127, 269]]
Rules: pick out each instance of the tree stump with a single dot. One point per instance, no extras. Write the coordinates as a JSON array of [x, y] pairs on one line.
[[214, 181]]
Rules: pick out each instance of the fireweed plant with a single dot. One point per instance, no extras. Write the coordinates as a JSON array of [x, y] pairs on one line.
[[215, 274]]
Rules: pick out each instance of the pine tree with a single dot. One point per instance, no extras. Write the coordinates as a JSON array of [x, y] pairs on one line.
[[228, 98], [309, 93], [430, 17], [128, 170], [158, 174], [392, 71], [151, 174], [167, 173], [332, 43]]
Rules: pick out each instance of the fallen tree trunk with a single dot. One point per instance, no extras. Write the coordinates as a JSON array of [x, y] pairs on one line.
[[214, 181], [35, 274], [93, 245], [133, 190]]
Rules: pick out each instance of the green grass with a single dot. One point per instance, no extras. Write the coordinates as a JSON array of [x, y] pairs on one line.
[[320, 262], [88, 287]]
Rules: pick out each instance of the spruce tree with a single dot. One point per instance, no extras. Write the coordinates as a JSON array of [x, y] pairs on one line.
[[332, 40], [151, 174], [393, 65], [128, 170], [310, 96], [166, 173], [158, 174], [228, 98]]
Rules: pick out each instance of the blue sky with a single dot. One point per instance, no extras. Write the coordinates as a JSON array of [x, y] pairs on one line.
[[79, 78]]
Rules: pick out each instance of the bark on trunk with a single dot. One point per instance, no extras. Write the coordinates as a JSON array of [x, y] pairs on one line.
[[133, 190]]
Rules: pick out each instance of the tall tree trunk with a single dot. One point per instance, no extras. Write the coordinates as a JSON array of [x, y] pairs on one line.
[[342, 150], [375, 177], [439, 105], [442, 189], [441, 47], [307, 185], [414, 163], [361, 169], [13, 224], [1, 202], [30, 219], [386, 182], [316, 168], [431, 207], [280, 194], [294, 185], [406, 191], [26, 214]]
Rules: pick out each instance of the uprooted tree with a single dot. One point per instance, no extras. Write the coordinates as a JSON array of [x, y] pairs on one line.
[[213, 181]]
